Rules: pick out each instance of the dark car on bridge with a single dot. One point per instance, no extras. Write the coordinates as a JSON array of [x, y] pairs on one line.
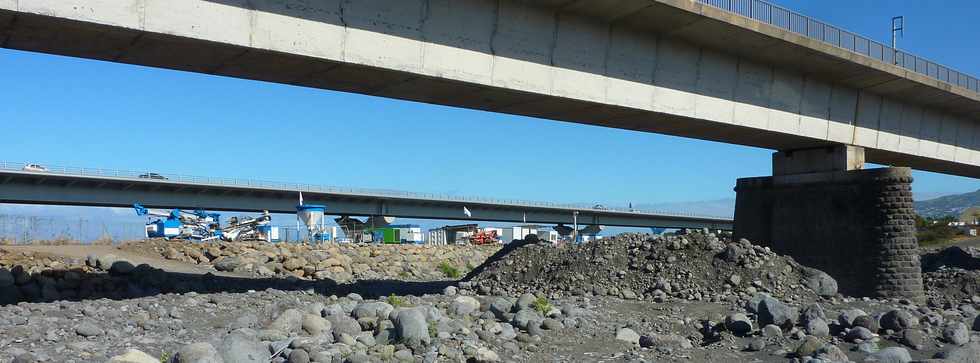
[[152, 176]]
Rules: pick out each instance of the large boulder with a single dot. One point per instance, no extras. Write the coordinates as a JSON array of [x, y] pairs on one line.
[[772, 311], [229, 263], [412, 329], [627, 335], [197, 353], [739, 324], [820, 282], [525, 318], [464, 305], [500, 307], [240, 348], [671, 341], [378, 309], [956, 334], [316, 325], [134, 356], [898, 320], [846, 317], [890, 355], [290, 321]]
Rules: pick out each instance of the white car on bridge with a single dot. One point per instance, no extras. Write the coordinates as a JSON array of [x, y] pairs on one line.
[[37, 168]]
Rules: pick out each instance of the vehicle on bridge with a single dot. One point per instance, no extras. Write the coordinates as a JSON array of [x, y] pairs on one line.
[[153, 176], [37, 168]]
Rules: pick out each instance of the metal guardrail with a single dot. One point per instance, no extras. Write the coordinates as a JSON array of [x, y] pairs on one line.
[[251, 183], [815, 29]]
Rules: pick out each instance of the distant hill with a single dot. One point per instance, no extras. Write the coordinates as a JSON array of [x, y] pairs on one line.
[[947, 205]]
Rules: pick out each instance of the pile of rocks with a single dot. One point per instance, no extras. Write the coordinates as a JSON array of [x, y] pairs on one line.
[[276, 326], [29, 276], [886, 335], [696, 266], [340, 263]]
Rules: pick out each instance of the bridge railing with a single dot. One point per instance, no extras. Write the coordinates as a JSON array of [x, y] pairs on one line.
[[815, 29], [285, 186]]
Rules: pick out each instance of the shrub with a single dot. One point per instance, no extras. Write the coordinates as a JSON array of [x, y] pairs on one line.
[[449, 270], [396, 301], [541, 305]]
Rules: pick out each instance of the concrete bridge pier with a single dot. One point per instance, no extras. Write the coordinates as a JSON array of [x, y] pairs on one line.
[[822, 209]]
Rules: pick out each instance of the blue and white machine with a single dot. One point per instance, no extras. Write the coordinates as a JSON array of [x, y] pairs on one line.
[[204, 226], [199, 225]]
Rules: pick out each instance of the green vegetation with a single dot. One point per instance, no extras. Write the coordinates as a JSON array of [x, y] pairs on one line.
[[541, 305], [433, 332], [396, 301], [449, 270], [935, 231], [164, 357]]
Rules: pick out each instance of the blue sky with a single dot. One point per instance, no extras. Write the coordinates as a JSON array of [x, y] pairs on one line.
[[67, 111]]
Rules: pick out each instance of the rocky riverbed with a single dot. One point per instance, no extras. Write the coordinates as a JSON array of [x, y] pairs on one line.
[[632, 298]]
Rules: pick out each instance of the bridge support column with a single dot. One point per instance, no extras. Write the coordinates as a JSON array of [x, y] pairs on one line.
[[856, 225]]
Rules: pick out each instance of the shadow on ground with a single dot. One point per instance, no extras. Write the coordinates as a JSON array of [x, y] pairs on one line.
[[144, 281]]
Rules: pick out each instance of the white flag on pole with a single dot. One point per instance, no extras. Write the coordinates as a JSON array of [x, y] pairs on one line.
[[466, 211]]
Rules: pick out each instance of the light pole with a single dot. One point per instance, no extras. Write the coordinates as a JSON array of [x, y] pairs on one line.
[[898, 29], [575, 228]]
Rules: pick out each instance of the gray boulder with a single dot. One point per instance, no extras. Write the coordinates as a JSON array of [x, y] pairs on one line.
[[464, 305], [956, 334], [817, 327], [739, 324], [858, 333], [316, 325], [229, 263], [197, 353], [290, 321], [898, 320], [379, 310], [239, 348], [890, 355], [627, 335], [526, 317], [846, 317], [500, 307], [671, 341], [772, 311], [412, 329], [821, 283], [88, 329]]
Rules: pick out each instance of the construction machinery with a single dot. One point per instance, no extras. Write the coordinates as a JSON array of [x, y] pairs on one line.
[[204, 226], [250, 229], [199, 225], [484, 237]]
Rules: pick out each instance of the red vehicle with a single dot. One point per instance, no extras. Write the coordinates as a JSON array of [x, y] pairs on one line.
[[484, 238]]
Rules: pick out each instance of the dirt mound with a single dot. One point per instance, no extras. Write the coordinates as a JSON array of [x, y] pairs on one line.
[[694, 266]]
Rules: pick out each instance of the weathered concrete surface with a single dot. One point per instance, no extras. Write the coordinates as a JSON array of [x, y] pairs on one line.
[[831, 158], [858, 226], [666, 66]]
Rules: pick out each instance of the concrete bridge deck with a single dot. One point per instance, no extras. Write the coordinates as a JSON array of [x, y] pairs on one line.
[[677, 67], [111, 188]]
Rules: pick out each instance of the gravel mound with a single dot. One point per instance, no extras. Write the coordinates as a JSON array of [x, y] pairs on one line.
[[692, 266], [341, 263]]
